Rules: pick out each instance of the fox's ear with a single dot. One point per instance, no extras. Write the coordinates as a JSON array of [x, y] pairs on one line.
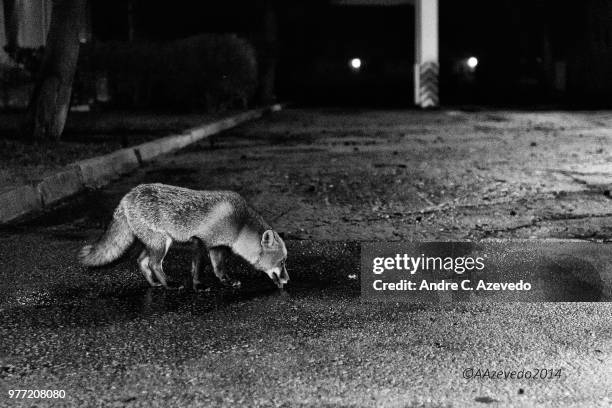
[[268, 240]]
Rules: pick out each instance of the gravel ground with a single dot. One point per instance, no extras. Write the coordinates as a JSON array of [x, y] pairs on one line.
[[324, 179]]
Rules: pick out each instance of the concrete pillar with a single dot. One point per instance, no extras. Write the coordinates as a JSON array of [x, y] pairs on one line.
[[426, 69], [25, 23], [35, 17]]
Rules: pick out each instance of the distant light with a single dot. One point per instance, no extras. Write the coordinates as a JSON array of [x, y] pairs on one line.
[[472, 62], [355, 63]]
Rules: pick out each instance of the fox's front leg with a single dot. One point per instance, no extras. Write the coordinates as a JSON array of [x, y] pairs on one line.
[[217, 258], [196, 263]]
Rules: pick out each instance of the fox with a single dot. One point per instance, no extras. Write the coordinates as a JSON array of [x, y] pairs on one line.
[[220, 222]]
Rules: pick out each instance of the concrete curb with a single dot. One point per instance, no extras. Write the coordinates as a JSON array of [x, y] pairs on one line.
[[101, 170], [98, 171]]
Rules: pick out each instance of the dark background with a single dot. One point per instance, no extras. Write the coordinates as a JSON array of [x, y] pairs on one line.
[[521, 45]]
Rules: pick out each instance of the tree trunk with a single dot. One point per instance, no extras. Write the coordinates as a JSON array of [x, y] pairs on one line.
[[50, 101]]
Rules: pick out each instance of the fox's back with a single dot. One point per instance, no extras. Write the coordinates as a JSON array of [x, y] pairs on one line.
[[183, 213]]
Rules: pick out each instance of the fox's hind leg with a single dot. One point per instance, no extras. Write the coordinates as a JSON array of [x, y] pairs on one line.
[[158, 248], [217, 257], [143, 263], [196, 263]]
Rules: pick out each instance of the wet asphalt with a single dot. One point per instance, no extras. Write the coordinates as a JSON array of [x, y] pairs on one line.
[[107, 339]]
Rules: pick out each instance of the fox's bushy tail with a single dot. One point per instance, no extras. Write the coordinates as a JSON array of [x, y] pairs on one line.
[[117, 238]]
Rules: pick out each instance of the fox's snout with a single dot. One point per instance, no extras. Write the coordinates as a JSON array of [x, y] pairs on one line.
[[279, 277]]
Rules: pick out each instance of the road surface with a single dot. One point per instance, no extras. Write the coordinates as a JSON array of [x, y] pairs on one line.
[[324, 179]]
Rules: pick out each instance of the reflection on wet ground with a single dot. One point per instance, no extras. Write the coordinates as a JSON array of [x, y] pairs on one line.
[[90, 309], [118, 293]]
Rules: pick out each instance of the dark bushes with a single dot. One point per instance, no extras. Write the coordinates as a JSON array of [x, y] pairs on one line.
[[210, 71]]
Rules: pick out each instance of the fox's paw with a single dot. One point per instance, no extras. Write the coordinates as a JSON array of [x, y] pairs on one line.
[[199, 288], [231, 283], [173, 285]]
